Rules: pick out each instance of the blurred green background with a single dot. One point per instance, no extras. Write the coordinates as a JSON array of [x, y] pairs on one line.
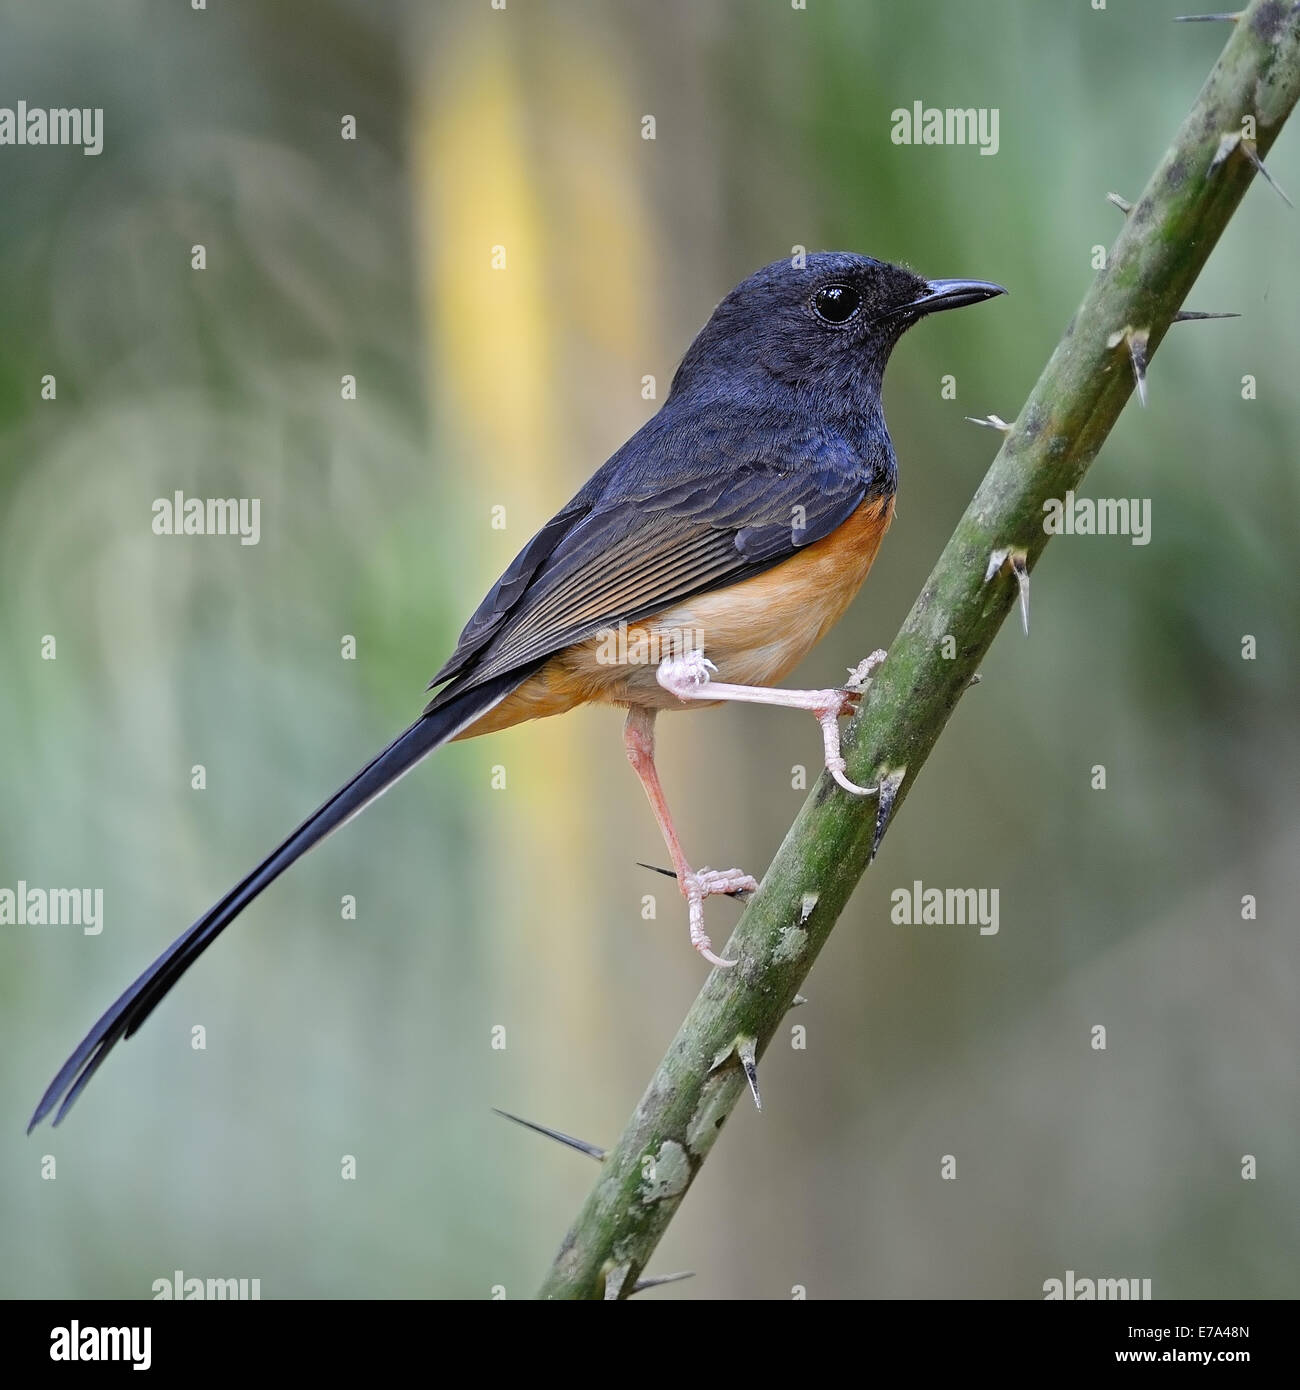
[[522, 907]]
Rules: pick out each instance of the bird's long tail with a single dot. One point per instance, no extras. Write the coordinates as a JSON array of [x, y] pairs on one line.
[[437, 726]]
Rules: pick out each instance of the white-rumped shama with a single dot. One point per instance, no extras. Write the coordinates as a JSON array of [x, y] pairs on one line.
[[716, 547]]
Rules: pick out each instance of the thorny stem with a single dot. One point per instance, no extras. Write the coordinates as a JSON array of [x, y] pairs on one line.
[[1166, 239]]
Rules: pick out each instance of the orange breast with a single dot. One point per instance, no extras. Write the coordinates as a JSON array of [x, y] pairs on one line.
[[755, 632], [758, 631]]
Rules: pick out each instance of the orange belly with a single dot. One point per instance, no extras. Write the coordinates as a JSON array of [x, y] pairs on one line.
[[755, 631]]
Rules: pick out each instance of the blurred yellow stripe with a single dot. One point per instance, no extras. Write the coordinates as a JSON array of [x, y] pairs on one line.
[[547, 174]]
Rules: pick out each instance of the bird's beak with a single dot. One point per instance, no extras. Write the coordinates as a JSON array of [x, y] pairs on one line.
[[950, 294]]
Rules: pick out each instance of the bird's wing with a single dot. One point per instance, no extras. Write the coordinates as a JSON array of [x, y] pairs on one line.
[[653, 536]]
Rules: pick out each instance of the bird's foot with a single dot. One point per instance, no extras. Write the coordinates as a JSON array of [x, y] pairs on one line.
[[686, 675], [844, 702], [689, 677], [829, 718], [859, 680], [698, 884]]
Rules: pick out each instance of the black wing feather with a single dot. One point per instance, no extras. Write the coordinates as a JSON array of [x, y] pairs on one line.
[[672, 515]]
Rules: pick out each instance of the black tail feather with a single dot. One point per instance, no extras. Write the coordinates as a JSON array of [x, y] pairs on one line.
[[432, 729]]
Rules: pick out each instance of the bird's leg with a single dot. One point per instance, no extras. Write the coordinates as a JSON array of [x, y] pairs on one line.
[[639, 741], [688, 677]]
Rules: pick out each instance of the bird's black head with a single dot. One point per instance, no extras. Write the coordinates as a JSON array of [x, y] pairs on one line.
[[824, 327]]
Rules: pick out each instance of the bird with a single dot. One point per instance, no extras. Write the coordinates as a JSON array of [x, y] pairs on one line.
[[698, 565]]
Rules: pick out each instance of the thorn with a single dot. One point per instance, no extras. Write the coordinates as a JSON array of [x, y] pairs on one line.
[[1137, 351], [994, 422], [1136, 340], [740, 894], [974, 680], [1020, 568], [652, 1281], [1190, 315], [581, 1145], [1230, 142], [1251, 151], [1018, 562], [889, 785], [1233, 15], [745, 1050], [1227, 144], [796, 1001], [1122, 204]]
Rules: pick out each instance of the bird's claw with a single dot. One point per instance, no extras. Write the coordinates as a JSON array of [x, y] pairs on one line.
[[860, 676], [845, 702], [683, 675], [703, 883]]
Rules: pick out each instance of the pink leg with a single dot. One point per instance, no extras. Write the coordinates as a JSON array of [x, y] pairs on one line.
[[688, 678], [639, 741]]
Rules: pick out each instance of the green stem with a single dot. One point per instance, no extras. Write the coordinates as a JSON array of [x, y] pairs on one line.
[[1165, 241]]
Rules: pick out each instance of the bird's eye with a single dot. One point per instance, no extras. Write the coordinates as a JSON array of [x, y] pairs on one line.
[[836, 303]]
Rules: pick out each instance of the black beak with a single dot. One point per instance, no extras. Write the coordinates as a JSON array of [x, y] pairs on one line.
[[950, 294]]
